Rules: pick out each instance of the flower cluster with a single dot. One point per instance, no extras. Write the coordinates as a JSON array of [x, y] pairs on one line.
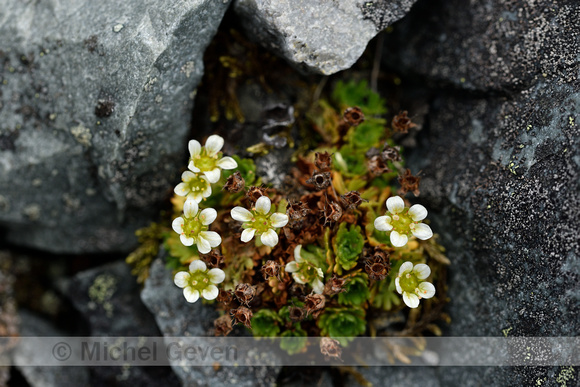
[[260, 220], [304, 272], [199, 281], [410, 283], [403, 222], [193, 227], [208, 160]]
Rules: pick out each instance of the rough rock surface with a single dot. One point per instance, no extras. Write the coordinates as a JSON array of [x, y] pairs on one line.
[[95, 101], [176, 317], [318, 35], [501, 166]]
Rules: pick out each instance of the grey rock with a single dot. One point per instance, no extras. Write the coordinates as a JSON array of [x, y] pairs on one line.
[[177, 318], [26, 356], [95, 102], [318, 35]]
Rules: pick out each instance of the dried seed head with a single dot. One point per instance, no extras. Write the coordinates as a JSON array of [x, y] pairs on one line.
[[314, 304], [235, 183], [401, 123], [332, 212], [320, 180], [334, 286], [323, 161], [409, 183], [223, 325], [330, 348], [372, 152], [245, 293], [270, 269], [296, 314], [391, 153], [377, 166], [255, 193], [242, 315], [354, 116], [225, 297], [377, 264], [297, 210], [351, 200], [214, 259]]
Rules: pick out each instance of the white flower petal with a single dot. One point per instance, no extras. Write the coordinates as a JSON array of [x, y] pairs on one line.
[[214, 175], [212, 237], [190, 208], [263, 205], [426, 289], [203, 244], [279, 220], [383, 223], [397, 239], [217, 276], [298, 278], [187, 241], [398, 286], [181, 189], [210, 293], [195, 196], [317, 286], [422, 231], [191, 295], [405, 267], [192, 167], [319, 272], [297, 255], [196, 266], [194, 148], [291, 267], [421, 271], [395, 204], [227, 163], [417, 212], [214, 144], [181, 279], [207, 216], [248, 234], [269, 238], [177, 225], [206, 192], [187, 176], [241, 214], [411, 300]]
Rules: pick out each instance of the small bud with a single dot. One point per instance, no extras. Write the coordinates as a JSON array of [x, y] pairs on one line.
[[270, 269], [323, 161], [245, 293], [351, 200], [377, 166], [296, 314], [235, 183], [354, 116], [242, 315], [334, 286], [409, 183], [391, 153], [223, 325], [314, 304], [401, 123], [330, 348], [320, 180]]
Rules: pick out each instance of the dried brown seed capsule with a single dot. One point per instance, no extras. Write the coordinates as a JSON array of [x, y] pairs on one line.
[[377, 166], [223, 325], [235, 183], [377, 264], [351, 200], [245, 293], [323, 161], [255, 193], [332, 212], [377, 271], [296, 314], [409, 183], [225, 297], [334, 286], [320, 180], [401, 123], [354, 116], [214, 259], [391, 153], [270, 269], [330, 348], [242, 315], [314, 304], [297, 210]]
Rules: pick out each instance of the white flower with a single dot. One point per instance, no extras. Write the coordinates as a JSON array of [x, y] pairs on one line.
[[195, 187], [208, 160], [410, 283], [193, 227], [199, 281], [260, 221], [303, 272], [403, 222]]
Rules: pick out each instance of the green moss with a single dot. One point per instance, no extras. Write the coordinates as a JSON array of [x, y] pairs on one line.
[[342, 324], [348, 245], [357, 291], [266, 323]]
